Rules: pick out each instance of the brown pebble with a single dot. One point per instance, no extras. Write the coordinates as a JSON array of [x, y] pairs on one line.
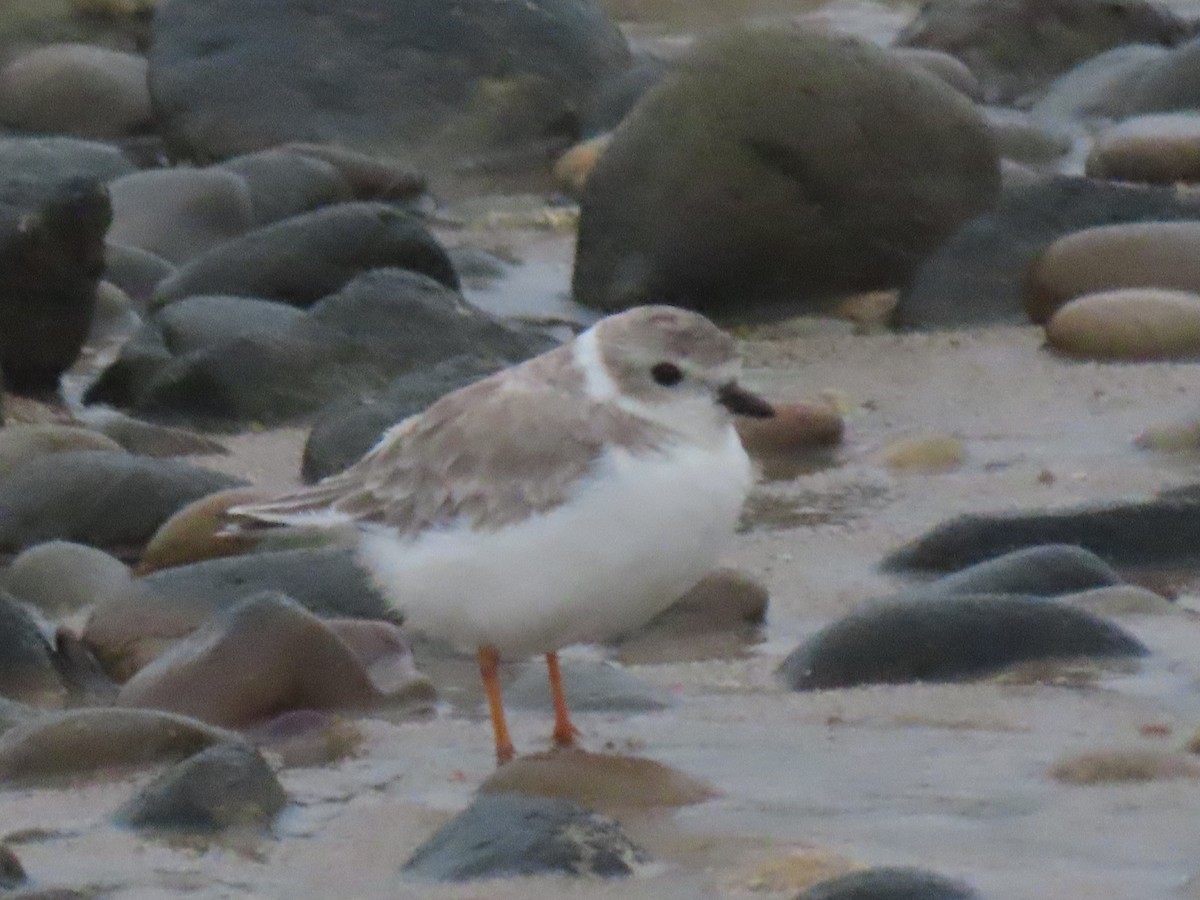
[[795, 428], [1152, 149], [604, 782], [925, 453], [1130, 324], [572, 169], [1115, 766], [1140, 254], [192, 533]]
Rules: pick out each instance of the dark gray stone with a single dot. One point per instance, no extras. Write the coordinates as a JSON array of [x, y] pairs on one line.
[[50, 160], [12, 874], [440, 81], [504, 835], [225, 786], [409, 321], [1016, 47], [325, 581], [1169, 83], [135, 271], [216, 360], [107, 499], [307, 257], [1161, 531], [51, 259], [1044, 571], [948, 638], [975, 277], [889, 883], [284, 184], [350, 426], [748, 182], [26, 667]]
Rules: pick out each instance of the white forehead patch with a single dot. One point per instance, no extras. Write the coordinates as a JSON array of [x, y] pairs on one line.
[[597, 381]]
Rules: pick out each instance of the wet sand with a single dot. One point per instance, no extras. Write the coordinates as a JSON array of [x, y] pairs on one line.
[[952, 778]]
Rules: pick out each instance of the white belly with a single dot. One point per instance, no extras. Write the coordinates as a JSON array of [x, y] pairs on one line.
[[642, 532]]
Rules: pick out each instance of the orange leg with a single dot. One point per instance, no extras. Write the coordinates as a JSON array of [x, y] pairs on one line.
[[564, 731], [489, 668]]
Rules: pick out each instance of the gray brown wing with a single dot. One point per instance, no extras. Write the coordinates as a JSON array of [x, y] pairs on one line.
[[488, 455]]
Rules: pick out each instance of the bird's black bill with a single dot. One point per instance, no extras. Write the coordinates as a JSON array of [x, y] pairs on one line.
[[741, 402]]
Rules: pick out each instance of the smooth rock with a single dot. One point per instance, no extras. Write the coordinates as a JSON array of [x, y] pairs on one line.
[[506, 835], [12, 873], [1023, 138], [1048, 570], [1182, 436], [53, 160], [60, 578], [798, 126], [717, 618], [147, 438], [267, 655], [795, 428], [590, 686], [445, 85], [135, 271], [307, 257], [571, 170], [977, 276], [27, 671], [948, 638], [945, 66], [309, 738], [370, 177], [51, 259], [326, 581], [225, 786], [1123, 766], [88, 741], [890, 883], [1133, 255], [75, 89], [925, 453], [34, 23], [179, 213], [1169, 83], [1161, 531], [21, 444], [348, 427], [1134, 324], [112, 500], [1015, 47], [285, 183], [219, 360], [191, 534], [1121, 600], [114, 317], [1159, 149], [608, 783], [1099, 86]]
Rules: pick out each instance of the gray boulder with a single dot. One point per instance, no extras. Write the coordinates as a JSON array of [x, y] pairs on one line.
[[438, 80], [307, 257], [776, 168]]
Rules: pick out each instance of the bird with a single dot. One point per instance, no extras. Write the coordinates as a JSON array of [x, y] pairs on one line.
[[567, 499]]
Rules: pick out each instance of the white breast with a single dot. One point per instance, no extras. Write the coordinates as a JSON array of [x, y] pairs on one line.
[[623, 548]]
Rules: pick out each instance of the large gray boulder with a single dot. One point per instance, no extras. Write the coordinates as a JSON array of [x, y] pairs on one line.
[[422, 78], [779, 167]]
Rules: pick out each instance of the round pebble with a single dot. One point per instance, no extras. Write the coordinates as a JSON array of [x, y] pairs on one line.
[[1131, 324], [1154, 149], [1139, 254]]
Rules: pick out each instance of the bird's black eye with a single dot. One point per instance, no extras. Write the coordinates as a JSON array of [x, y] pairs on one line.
[[667, 374]]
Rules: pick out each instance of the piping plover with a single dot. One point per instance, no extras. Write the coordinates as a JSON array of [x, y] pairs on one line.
[[565, 500]]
